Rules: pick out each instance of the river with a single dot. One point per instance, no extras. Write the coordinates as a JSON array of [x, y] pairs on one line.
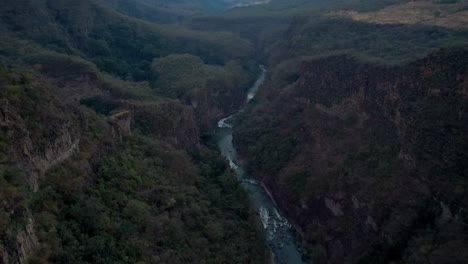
[[278, 231]]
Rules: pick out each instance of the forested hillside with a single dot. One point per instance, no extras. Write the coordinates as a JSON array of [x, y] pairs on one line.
[[359, 132], [101, 160], [116, 44], [170, 12], [109, 111], [368, 160]]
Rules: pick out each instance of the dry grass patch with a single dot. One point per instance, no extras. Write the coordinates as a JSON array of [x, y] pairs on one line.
[[450, 14]]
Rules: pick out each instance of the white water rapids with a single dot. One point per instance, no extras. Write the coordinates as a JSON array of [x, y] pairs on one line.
[[278, 231]]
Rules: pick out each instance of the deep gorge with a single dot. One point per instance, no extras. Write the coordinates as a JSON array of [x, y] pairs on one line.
[[126, 135]]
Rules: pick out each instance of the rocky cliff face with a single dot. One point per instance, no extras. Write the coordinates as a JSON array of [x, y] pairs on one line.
[[37, 132], [121, 124], [38, 150], [367, 161], [18, 244]]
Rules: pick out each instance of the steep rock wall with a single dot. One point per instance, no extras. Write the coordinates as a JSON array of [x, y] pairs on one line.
[[37, 132], [359, 156]]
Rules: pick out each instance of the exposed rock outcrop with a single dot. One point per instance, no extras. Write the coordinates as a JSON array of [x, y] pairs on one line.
[[35, 153], [121, 124], [20, 243], [37, 132]]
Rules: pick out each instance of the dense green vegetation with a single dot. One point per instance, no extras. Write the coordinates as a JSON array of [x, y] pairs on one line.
[[182, 76], [148, 203], [295, 30], [270, 150], [213, 90], [71, 173], [385, 43], [163, 11], [189, 79], [116, 44], [103, 105], [147, 11], [143, 202]]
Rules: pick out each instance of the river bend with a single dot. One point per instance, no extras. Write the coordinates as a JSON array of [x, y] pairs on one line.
[[278, 231]]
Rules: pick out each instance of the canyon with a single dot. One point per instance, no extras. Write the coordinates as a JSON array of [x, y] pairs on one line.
[[138, 131], [358, 180]]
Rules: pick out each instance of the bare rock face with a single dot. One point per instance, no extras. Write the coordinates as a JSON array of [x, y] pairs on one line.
[[56, 151], [36, 140], [359, 156], [21, 243], [121, 124], [37, 155]]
